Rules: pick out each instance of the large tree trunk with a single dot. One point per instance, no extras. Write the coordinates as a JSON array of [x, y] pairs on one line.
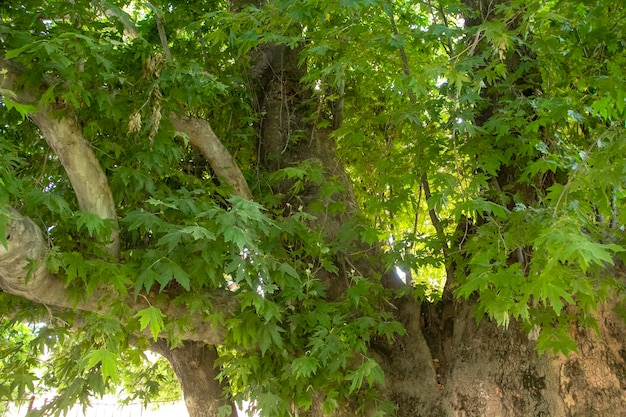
[[490, 371], [194, 365]]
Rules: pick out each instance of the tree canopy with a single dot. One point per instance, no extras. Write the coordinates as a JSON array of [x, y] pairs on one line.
[[271, 177]]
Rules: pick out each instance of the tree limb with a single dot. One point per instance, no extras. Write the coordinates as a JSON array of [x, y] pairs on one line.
[[202, 137], [163, 37], [23, 273], [88, 179], [112, 11], [64, 135]]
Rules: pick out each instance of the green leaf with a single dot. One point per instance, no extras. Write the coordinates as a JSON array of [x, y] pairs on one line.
[[13, 53], [270, 334], [108, 363], [23, 382], [75, 266], [23, 109], [304, 367], [556, 339], [180, 235], [142, 220], [152, 317], [360, 289], [369, 370], [198, 233], [162, 204], [287, 269], [369, 235], [237, 236], [164, 271], [567, 243], [225, 411], [96, 226], [171, 240], [553, 292]]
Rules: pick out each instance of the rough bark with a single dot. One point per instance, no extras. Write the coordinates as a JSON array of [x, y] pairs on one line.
[[490, 371], [410, 368], [285, 139], [486, 370], [447, 364], [194, 365]]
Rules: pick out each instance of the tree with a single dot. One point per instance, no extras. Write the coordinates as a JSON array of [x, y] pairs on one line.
[[328, 208]]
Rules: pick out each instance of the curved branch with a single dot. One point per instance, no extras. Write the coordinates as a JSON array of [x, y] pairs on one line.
[[23, 273], [64, 135], [22, 269], [88, 179], [112, 11], [202, 137], [22, 263]]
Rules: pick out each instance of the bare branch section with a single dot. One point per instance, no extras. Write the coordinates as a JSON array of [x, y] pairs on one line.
[[202, 137], [163, 37], [112, 11], [23, 273], [89, 181], [64, 135], [26, 245]]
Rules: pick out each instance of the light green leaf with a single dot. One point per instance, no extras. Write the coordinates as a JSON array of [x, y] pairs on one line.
[[23, 109], [108, 363], [152, 317], [369, 370]]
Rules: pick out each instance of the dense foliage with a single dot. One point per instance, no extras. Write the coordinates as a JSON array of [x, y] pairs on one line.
[[490, 147]]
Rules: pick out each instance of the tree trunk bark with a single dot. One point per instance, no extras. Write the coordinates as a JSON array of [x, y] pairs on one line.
[[490, 371], [194, 365]]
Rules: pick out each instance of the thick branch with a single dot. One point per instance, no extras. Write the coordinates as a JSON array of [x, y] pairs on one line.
[[64, 135], [112, 11], [88, 180], [22, 265], [194, 365], [202, 137], [163, 37], [23, 273]]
